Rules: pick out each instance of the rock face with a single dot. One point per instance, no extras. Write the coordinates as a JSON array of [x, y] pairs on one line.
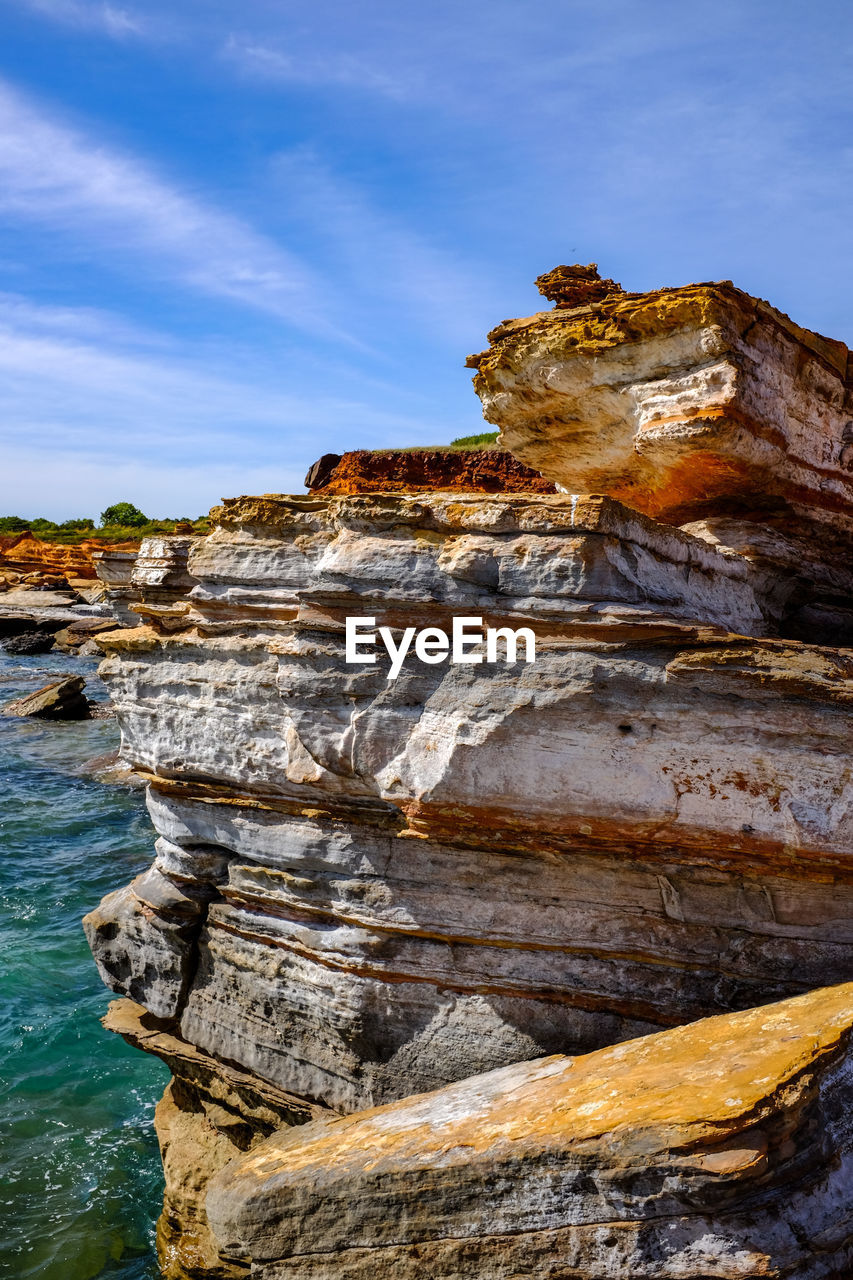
[[723, 1149], [424, 470], [615, 830]]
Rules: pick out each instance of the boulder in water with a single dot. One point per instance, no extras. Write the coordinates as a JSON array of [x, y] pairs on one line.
[[62, 700]]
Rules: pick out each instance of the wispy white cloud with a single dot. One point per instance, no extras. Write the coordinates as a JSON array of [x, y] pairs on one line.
[[390, 266], [119, 23], [331, 68], [88, 403], [117, 207]]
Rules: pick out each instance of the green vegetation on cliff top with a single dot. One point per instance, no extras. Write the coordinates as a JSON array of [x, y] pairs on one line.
[[121, 522]]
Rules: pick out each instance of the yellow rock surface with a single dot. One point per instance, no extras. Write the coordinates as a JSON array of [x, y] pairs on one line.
[[720, 1149]]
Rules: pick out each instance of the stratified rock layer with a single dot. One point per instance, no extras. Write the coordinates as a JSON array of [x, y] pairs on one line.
[[368, 886], [721, 1150]]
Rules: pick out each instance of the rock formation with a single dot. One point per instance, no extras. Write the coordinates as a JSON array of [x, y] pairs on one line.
[[372, 882], [702, 407], [404, 470], [677, 401], [23, 554]]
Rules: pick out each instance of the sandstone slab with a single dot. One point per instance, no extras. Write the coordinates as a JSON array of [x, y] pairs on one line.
[[61, 700], [722, 1150]]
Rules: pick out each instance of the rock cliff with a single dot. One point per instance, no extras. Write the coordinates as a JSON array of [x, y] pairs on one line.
[[378, 878]]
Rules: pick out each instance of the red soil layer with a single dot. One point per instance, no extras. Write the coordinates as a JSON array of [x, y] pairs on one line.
[[460, 470]]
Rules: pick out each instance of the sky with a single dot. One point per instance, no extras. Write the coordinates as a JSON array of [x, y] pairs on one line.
[[236, 236]]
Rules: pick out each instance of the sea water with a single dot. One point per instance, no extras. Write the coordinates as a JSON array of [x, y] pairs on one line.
[[80, 1178]]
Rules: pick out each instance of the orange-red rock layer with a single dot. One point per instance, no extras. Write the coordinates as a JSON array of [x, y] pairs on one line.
[[25, 553], [400, 471]]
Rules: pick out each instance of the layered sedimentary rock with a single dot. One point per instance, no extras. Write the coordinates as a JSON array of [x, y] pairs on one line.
[[114, 567], [676, 400], [721, 1150], [152, 576], [629, 810], [24, 554], [703, 407], [422, 470]]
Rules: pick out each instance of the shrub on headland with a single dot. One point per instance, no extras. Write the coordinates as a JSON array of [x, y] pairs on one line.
[[124, 514]]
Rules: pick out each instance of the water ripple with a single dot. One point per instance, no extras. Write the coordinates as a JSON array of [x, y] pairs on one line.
[[79, 1168]]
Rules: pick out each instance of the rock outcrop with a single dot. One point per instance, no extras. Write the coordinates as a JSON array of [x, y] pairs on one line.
[[703, 407], [623, 809], [723, 1149], [675, 401], [24, 553], [424, 470], [152, 577]]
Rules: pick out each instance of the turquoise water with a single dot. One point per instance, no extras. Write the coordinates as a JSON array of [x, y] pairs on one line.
[[80, 1180]]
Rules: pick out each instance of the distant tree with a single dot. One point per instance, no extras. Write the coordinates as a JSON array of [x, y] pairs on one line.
[[72, 525], [42, 525], [13, 524], [124, 513]]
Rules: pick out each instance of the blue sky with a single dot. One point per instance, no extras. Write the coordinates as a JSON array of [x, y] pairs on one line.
[[238, 235]]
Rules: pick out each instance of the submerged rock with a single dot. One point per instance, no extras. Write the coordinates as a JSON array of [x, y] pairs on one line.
[[61, 700], [27, 642]]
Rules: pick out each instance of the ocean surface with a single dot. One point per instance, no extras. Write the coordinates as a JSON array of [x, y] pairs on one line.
[[80, 1180]]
